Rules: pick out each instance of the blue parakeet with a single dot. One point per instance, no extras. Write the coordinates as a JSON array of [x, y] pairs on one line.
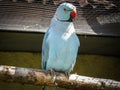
[[60, 43]]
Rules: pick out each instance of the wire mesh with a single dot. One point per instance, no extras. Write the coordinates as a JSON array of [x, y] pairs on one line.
[[36, 15]]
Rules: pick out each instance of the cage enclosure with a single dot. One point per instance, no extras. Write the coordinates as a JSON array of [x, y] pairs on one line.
[[23, 24]]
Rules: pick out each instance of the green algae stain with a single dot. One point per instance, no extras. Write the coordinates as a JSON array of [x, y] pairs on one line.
[[21, 59], [98, 66]]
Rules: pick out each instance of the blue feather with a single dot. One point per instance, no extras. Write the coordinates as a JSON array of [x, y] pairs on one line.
[[60, 43]]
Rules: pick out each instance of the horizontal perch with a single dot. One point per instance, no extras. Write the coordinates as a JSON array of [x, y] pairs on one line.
[[42, 77]]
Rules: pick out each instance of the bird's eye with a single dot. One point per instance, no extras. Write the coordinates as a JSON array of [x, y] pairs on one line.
[[65, 9]]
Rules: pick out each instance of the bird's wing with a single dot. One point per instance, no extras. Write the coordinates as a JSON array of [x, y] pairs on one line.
[[74, 52], [45, 50]]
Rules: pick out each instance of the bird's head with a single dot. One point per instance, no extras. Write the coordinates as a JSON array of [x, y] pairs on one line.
[[66, 12]]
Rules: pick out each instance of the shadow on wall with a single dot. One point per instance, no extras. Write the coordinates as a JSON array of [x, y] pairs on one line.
[[102, 21]]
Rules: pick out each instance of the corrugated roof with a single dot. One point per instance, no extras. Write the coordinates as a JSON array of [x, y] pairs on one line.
[[35, 17]]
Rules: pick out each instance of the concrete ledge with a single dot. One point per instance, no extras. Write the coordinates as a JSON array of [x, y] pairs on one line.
[[21, 41]]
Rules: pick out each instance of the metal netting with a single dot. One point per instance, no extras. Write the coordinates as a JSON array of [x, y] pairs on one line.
[[36, 15]]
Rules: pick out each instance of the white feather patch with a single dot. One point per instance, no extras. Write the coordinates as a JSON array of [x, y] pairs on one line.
[[68, 32]]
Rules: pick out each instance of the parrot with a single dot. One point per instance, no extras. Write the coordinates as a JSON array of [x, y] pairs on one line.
[[61, 43]]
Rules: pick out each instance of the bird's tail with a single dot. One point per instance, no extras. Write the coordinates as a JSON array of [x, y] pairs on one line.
[[48, 88], [43, 88]]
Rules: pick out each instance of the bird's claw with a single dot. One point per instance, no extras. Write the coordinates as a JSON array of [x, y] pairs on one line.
[[67, 74], [52, 72]]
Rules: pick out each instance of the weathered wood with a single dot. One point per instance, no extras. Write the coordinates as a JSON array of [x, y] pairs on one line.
[[41, 77]]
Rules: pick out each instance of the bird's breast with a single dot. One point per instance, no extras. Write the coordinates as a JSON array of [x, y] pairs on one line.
[[63, 47]]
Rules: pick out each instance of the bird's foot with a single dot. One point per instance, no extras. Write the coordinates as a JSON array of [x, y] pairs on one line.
[[67, 74], [53, 75]]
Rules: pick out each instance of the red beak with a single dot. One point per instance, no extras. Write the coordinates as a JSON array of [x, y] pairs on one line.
[[73, 14]]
